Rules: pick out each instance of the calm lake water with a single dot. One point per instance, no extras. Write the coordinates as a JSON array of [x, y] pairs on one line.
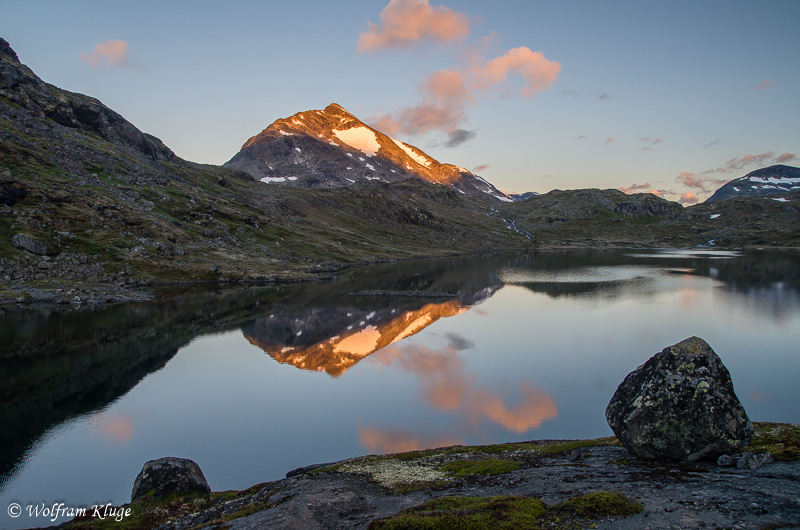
[[253, 383]]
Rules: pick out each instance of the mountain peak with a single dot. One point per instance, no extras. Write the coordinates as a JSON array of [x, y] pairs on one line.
[[332, 148], [770, 180], [335, 108]]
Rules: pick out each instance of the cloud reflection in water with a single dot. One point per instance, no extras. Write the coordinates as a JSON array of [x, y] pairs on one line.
[[445, 386]]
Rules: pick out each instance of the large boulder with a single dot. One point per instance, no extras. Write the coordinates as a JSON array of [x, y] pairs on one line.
[[30, 244], [169, 475], [679, 406]]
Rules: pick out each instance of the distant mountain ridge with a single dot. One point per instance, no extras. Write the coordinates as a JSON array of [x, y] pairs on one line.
[[772, 180], [332, 148]]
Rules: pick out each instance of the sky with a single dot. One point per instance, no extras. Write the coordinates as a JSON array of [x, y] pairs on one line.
[[673, 96]]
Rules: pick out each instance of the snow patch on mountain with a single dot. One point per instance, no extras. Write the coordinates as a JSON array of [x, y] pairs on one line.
[[418, 158], [773, 180], [360, 138]]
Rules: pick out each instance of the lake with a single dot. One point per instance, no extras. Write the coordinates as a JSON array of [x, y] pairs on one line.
[[252, 383]]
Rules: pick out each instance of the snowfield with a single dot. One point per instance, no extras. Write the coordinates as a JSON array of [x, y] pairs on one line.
[[359, 138]]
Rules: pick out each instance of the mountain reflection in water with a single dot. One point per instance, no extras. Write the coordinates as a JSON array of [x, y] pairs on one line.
[[333, 339], [392, 357]]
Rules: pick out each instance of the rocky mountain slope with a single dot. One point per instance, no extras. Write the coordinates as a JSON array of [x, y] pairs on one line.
[[774, 181], [20, 87], [332, 148]]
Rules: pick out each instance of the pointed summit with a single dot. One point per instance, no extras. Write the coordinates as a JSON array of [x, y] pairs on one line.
[[335, 108], [332, 148]]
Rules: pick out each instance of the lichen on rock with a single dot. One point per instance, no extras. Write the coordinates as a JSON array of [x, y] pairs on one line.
[[169, 475], [680, 405]]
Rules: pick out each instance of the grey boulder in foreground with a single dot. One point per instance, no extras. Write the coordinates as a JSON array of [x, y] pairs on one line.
[[680, 406]]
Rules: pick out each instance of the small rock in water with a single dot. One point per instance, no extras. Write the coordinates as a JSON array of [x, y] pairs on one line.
[[680, 406], [169, 475]]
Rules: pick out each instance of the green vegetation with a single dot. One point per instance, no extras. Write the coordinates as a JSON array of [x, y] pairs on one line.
[[548, 447], [598, 504], [489, 466], [782, 440], [511, 512], [502, 512], [324, 469]]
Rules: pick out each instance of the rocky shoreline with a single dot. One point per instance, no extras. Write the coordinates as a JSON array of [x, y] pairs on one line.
[[355, 493]]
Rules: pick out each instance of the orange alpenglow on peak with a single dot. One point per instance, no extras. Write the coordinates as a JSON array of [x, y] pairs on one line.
[[333, 148], [354, 337]]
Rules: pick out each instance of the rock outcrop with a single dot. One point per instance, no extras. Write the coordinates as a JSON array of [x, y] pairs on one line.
[[20, 86], [169, 475], [32, 245], [680, 406]]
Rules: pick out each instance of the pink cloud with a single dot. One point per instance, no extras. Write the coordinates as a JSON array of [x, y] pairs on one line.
[[762, 159], [649, 141], [609, 140], [446, 94], [688, 198], [735, 164], [117, 429], [405, 22], [111, 53], [765, 83], [444, 98], [637, 188], [390, 441], [690, 180], [445, 386], [536, 70], [785, 157]]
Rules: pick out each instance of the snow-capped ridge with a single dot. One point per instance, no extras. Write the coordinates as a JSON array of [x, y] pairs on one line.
[[318, 147], [766, 181]]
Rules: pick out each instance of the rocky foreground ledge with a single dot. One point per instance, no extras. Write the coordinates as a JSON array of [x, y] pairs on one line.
[[538, 484]]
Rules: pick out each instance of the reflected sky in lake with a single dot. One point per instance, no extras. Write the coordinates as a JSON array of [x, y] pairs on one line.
[[391, 358]]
